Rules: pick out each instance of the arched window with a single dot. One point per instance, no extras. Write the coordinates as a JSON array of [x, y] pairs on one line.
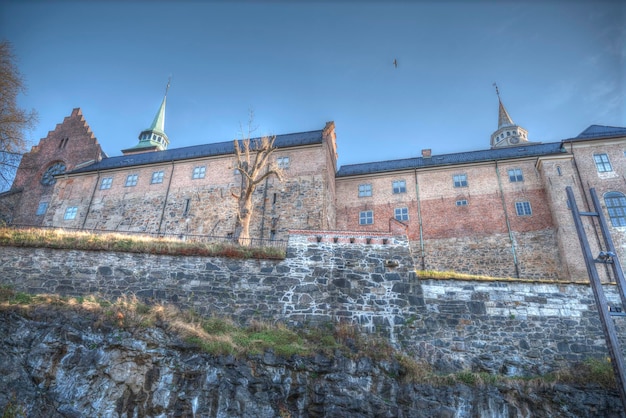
[[616, 206]]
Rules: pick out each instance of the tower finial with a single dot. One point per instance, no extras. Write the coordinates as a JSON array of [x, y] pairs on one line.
[[168, 84], [497, 91]]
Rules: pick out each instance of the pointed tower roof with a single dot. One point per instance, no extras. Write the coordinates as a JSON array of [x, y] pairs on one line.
[[154, 137], [503, 116], [508, 133]]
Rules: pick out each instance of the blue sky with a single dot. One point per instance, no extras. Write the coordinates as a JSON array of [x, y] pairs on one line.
[[560, 67]]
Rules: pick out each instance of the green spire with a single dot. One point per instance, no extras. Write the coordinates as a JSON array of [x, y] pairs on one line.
[[154, 137]]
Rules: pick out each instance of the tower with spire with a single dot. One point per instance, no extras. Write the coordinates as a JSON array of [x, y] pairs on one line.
[[154, 137], [508, 133]]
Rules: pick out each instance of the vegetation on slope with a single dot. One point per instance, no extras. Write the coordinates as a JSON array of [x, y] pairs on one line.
[[83, 240], [223, 336]]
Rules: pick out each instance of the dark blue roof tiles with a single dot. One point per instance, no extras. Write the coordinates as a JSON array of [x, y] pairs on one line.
[[195, 151], [535, 150], [600, 131]]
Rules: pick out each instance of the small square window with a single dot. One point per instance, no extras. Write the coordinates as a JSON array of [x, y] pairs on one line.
[[462, 202], [283, 162], [515, 175], [199, 172], [365, 190], [602, 163], [70, 213], [106, 183], [399, 186], [366, 217], [401, 214], [460, 180], [131, 180], [157, 177], [523, 208], [42, 208]]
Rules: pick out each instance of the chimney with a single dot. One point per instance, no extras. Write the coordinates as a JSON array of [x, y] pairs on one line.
[[426, 153]]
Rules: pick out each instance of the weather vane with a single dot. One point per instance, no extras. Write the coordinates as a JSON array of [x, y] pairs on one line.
[[168, 84], [496, 86]]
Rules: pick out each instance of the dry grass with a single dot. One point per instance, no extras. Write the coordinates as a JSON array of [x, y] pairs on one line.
[[451, 275], [87, 241]]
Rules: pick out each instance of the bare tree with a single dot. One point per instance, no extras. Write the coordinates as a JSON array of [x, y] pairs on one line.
[[254, 164], [13, 120]]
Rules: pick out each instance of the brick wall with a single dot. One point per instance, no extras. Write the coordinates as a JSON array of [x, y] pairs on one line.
[[70, 143]]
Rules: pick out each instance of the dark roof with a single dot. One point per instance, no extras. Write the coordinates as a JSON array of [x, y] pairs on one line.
[[196, 151], [599, 131], [535, 150]]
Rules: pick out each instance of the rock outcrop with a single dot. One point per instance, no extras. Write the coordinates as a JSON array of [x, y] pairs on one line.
[[64, 363]]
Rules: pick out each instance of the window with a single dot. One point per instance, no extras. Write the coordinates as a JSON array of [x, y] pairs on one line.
[[42, 208], [106, 183], [462, 202], [616, 206], [365, 190], [70, 213], [157, 177], [366, 217], [399, 186], [523, 208], [460, 180], [401, 214], [283, 162], [199, 172], [602, 163], [131, 180], [515, 175]]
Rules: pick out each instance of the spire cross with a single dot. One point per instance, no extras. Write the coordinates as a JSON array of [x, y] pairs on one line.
[[497, 92], [168, 84]]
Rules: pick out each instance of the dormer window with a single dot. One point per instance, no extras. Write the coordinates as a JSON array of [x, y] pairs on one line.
[[508, 133]]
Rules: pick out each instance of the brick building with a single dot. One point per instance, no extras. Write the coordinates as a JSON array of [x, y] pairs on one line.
[[500, 211]]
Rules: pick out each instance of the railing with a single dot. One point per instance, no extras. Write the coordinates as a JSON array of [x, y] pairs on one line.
[[212, 239]]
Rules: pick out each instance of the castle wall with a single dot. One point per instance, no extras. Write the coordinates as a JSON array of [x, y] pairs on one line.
[[506, 326], [180, 204]]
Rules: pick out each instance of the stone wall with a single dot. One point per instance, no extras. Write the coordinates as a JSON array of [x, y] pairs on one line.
[[513, 327]]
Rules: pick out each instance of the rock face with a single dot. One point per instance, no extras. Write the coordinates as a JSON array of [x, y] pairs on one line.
[[61, 363]]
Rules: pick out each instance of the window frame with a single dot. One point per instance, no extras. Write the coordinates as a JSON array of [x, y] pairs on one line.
[[131, 180], [603, 163], [106, 183], [42, 208], [366, 217], [70, 213], [461, 203], [365, 190], [403, 213], [523, 208], [459, 180], [617, 213], [398, 186], [283, 162], [198, 172], [516, 175], [157, 177]]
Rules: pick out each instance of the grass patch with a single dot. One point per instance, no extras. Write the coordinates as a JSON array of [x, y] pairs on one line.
[[87, 241]]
